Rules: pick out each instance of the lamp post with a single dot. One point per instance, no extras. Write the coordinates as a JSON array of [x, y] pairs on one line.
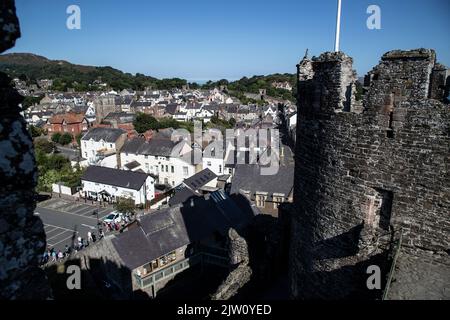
[[98, 221]]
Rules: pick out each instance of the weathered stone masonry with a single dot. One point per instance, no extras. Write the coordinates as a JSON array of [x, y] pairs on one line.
[[22, 237], [365, 175]]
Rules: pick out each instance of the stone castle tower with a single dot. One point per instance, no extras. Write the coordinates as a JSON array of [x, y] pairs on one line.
[[22, 235], [372, 178]]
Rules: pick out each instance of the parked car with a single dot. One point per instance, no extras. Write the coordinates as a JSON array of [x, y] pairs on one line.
[[113, 217]]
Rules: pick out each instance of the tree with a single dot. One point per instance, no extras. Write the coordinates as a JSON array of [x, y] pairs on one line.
[[56, 137], [144, 122], [46, 179], [125, 206], [44, 145], [35, 131], [30, 100], [57, 162], [72, 178], [66, 138], [168, 123], [232, 122]]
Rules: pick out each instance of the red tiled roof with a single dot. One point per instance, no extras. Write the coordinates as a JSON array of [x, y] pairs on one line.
[[69, 118]]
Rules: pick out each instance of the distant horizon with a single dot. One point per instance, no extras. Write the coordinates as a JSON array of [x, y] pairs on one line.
[[199, 81]]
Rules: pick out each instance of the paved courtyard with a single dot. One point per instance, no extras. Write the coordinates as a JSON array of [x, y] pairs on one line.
[[66, 220]]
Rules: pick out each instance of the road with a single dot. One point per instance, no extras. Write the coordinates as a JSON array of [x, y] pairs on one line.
[[68, 152], [65, 220]]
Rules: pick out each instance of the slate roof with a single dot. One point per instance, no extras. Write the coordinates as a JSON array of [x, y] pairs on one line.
[[182, 194], [133, 165], [193, 106], [105, 134], [248, 177], [166, 230], [171, 108], [135, 104], [155, 147], [199, 179], [115, 177], [127, 100], [121, 117]]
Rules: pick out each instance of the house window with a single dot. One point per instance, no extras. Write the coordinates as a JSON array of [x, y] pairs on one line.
[[185, 171], [220, 168], [172, 169], [167, 168], [166, 181], [162, 168], [208, 163], [110, 145]]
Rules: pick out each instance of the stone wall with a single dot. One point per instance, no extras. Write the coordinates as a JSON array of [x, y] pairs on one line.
[[240, 275], [365, 175], [22, 236]]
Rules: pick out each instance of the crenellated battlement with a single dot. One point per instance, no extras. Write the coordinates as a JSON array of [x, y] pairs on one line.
[[326, 83], [364, 178]]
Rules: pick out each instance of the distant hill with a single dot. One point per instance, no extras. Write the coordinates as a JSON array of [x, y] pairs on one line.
[[255, 83], [68, 75], [31, 67]]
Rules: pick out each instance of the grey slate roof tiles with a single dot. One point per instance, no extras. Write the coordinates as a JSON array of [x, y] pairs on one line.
[[105, 134], [115, 177]]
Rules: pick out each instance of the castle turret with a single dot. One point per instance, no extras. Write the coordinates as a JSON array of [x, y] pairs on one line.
[[366, 177]]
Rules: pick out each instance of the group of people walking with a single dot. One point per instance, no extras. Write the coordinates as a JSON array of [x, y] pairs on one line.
[[53, 255]]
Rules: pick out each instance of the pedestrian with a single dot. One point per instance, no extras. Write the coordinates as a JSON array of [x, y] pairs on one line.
[[53, 255], [101, 234], [89, 236], [94, 238], [60, 255], [45, 257]]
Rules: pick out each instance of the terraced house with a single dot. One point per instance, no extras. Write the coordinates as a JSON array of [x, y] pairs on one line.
[[160, 157]]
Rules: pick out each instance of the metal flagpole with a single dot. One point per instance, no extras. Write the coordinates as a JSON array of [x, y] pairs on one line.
[[338, 27]]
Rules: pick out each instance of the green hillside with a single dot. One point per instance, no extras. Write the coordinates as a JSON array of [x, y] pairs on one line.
[[81, 78]]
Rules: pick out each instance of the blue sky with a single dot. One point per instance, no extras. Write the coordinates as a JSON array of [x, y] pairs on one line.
[[209, 39]]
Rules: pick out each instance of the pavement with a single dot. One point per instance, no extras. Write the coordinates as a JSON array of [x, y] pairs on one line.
[[65, 220]]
